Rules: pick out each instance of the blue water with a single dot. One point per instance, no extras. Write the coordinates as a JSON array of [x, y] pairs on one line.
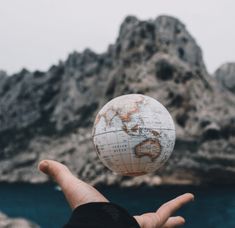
[[214, 207]]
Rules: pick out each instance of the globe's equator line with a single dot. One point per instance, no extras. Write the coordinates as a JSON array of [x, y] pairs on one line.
[[159, 129]]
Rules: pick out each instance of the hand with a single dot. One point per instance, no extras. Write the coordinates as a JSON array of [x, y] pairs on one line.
[[77, 192]]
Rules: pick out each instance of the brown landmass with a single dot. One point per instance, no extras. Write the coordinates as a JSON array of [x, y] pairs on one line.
[[148, 147]]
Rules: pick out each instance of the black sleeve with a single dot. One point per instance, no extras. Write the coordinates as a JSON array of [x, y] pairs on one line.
[[101, 215]]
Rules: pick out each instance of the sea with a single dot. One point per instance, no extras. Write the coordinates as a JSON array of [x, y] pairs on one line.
[[44, 204]]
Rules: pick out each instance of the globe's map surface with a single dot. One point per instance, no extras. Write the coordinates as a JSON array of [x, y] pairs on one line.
[[133, 134]]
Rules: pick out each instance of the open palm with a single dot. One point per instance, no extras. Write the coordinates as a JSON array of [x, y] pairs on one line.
[[77, 192]]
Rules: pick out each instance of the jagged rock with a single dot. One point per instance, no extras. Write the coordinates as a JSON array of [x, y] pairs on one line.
[[6, 222], [225, 74], [50, 115]]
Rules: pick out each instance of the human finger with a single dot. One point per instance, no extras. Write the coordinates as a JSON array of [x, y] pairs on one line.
[[76, 191], [174, 222], [167, 209]]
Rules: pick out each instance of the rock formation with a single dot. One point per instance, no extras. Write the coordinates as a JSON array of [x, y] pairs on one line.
[[225, 74], [50, 114], [6, 222]]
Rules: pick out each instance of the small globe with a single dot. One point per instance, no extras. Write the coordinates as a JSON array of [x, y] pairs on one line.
[[133, 135]]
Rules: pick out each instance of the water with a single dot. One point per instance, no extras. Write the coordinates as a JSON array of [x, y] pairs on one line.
[[214, 207]]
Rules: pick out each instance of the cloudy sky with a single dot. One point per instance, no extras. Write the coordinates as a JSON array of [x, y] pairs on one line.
[[35, 34]]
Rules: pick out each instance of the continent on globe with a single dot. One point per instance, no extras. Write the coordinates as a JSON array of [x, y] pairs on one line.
[[149, 147], [133, 135]]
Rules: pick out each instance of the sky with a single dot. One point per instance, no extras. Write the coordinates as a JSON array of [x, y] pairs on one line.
[[35, 34]]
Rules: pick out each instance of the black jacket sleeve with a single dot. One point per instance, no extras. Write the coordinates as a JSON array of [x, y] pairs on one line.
[[101, 215]]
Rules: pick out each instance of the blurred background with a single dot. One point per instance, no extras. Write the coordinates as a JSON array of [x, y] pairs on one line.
[[61, 61]]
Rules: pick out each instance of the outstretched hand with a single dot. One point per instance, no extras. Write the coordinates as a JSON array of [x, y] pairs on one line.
[[77, 192]]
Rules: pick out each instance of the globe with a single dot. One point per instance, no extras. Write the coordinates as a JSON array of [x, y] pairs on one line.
[[133, 135]]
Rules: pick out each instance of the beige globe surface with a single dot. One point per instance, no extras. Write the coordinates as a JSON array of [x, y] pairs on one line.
[[133, 135]]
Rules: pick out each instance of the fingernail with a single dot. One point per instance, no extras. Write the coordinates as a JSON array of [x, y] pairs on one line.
[[43, 166]]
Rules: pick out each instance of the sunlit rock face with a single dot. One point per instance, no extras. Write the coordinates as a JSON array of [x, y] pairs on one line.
[[50, 114], [225, 74]]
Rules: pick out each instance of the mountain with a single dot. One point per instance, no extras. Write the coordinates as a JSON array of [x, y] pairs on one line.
[[50, 114], [225, 74]]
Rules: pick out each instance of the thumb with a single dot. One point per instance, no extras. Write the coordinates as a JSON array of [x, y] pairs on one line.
[[57, 171], [76, 191]]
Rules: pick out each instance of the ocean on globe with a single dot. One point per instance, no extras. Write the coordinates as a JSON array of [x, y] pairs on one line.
[[133, 135]]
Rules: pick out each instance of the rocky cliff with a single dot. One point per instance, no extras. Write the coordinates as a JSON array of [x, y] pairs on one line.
[[6, 222], [225, 74], [50, 114]]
